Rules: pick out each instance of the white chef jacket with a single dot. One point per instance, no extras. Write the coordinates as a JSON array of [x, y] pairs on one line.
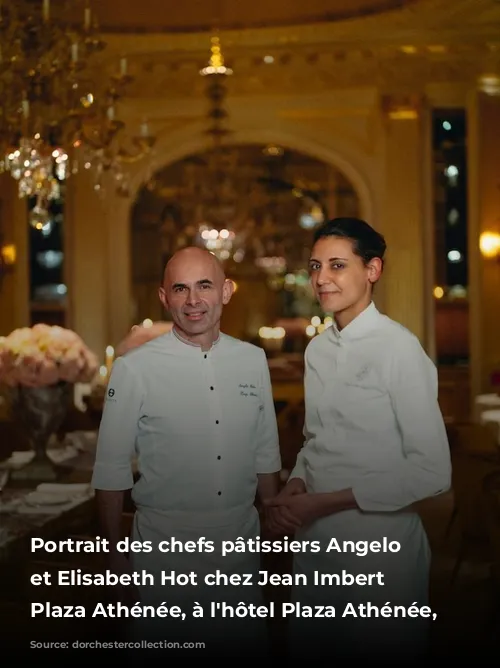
[[373, 421], [202, 425], [373, 425]]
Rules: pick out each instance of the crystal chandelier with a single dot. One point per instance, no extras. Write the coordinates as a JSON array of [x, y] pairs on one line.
[[219, 242], [53, 117]]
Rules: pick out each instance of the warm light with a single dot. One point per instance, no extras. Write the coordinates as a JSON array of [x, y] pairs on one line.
[[409, 49], [316, 321], [489, 244], [438, 292], [272, 333], [310, 330], [9, 254], [489, 84], [235, 286], [103, 372], [147, 323], [110, 355]]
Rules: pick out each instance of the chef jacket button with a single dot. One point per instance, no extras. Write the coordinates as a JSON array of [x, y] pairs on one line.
[[219, 493], [217, 422], [218, 457], [211, 387], [205, 356]]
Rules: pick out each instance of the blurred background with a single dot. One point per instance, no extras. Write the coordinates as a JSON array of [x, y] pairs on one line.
[[131, 129]]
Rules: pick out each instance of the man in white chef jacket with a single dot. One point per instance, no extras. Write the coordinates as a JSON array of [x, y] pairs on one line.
[[195, 407]]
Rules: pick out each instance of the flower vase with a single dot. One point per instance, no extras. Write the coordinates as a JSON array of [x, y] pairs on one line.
[[40, 412]]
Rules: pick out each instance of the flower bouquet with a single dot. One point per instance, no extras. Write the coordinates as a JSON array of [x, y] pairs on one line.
[[39, 366]]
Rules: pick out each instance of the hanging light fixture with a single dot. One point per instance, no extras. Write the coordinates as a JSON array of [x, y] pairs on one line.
[[215, 231], [40, 70], [52, 114]]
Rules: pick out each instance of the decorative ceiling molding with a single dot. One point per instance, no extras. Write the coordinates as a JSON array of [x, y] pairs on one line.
[[191, 16], [429, 42], [426, 22]]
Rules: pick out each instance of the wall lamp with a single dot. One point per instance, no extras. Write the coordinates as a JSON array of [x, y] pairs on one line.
[[489, 245], [7, 259]]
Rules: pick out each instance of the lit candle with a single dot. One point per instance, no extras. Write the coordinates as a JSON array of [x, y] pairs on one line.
[[46, 10], [123, 67], [74, 52], [87, 18], [110, 355]]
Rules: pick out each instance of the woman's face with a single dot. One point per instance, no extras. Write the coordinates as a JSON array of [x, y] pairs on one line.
[[340, 279]]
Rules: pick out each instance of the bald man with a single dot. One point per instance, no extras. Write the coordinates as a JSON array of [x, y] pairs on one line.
[[195, 407]]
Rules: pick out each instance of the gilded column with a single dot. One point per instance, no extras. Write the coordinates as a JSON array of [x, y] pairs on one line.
[[14, 290], [86, 258], [484, 217], [403, 209]]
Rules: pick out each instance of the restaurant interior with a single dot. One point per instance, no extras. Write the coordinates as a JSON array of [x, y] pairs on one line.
[[130, 130]]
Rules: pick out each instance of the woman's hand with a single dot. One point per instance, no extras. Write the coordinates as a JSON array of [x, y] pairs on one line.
[[279, 520], [303, 508]]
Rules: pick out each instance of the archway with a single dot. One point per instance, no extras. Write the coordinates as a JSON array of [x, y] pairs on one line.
[[272, 198]]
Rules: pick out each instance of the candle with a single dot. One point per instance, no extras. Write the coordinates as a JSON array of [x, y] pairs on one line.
[[74, 52], [110, 355], [123, 67], [46, 10], [87, 17], [26, 108], [111, 113]]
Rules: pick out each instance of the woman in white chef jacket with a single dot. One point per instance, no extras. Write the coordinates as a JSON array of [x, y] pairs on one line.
[[375, 444]]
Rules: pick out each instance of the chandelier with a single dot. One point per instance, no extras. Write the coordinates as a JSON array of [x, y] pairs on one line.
[[219, 207], [54, 117], [41, 65]]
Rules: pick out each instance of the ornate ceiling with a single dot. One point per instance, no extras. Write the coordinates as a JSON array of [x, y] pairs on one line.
[[204, 15], [391, 45]]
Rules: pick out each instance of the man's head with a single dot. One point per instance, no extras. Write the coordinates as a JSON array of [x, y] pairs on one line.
[[194, 290]]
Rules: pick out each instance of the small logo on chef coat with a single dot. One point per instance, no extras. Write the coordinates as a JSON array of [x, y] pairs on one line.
[[111, 392]]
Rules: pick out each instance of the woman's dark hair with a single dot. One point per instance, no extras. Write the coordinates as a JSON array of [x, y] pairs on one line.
[[366, 242]]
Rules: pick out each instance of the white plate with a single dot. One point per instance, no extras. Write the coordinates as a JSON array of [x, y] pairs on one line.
[[43, 499]]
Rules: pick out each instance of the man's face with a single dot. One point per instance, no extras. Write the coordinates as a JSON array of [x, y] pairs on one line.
[[194, 291]]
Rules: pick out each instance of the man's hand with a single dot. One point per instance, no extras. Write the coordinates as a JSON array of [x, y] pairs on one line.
[[279, 519]]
